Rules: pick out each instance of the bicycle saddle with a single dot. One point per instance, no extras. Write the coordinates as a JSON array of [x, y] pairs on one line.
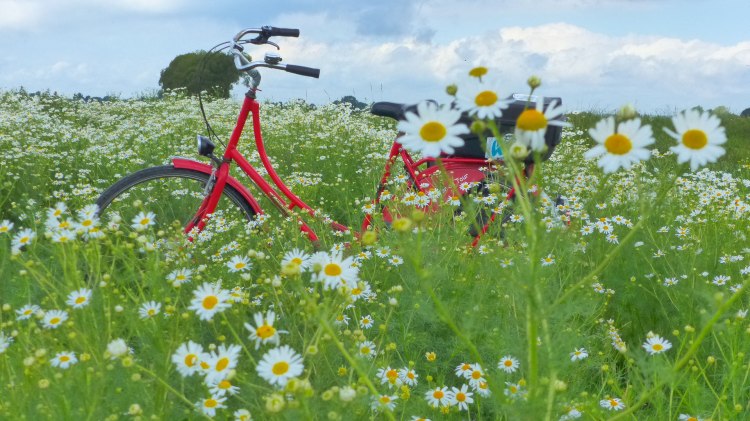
[[394, 110]]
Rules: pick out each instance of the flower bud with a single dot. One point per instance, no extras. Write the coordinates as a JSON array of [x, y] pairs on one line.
[[627, 112], [451, 89], [534, 82]]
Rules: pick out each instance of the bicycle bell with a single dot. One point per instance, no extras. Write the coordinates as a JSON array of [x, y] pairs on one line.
[[272, 57]]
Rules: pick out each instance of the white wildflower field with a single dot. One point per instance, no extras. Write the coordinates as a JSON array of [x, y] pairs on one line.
[[625, 299]]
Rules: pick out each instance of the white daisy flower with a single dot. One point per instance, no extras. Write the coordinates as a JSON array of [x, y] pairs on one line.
[[613, 404], [54, 318], [209, 405], [578, 354], [149, 309], [221, 362], [63, 360], [432, 131], [209, 299], [367, 349], [25, 312], [239, 264], [655, 344], [5, 226], [79, 298], [439, 396], [180, 276], [5, 342], [143, 220], [389, 376], [335, 270], [532, 123], [621, 146], [698, 138], [264, 332], [188, 358], [508, 364], [480, 99], [384, 402], [461, 397], [298, 257], [279, 365]]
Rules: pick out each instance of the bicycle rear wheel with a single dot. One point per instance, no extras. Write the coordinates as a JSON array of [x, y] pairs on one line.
[[167, 198]]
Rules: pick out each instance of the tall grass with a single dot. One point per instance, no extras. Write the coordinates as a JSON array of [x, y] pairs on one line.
[[535, 290]]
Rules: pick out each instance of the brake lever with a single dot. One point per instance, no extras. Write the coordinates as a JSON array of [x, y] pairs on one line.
[[263, 39]]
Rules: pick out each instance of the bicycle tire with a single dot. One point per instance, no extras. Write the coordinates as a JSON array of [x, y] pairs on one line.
[[172, 194]]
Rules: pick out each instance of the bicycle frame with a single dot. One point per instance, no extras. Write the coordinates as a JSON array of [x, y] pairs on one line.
[[279, 194]]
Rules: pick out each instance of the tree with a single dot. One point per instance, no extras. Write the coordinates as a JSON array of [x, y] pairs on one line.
[[355, 103], [201, 71]]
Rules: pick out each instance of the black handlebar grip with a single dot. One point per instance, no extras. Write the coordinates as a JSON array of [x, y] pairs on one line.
[[302, 70], [282, 32]]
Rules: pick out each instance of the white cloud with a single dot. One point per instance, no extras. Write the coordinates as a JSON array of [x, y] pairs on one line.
[[18, 14]]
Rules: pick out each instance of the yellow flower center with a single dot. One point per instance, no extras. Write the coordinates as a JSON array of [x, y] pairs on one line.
[[476, 374], [364, 350], [385, 399], [695, 139], [239, 265], [392, 375], [657, 347], [433, 131], [485, 99], [80, 300], [211, 403], [224, 385], [190, 360], [204, 365], [64, 224], [618, 144], [460, 396], [478, 71], [265, 331], [222, 364], [531, 120], [145, 221], [613, 403], [332, 269], [64, 359], [151, 312], [280, 368], [54, 320], [297, 261], [508, 363], [24, 240], [356, 291], [210, 302], [438, 394], [86, 223]]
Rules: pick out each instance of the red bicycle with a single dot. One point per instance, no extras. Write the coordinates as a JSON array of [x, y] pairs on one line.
[[191, 191]]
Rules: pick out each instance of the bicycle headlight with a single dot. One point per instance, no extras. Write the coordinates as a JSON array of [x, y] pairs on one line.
[[205, 146]]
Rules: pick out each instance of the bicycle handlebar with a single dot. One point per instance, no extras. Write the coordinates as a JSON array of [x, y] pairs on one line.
[[243, 64]]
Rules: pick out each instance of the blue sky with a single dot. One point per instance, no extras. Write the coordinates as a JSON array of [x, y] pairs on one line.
[[661, 55]]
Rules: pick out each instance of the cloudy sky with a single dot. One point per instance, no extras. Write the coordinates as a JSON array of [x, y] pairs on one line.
[[660, 55]]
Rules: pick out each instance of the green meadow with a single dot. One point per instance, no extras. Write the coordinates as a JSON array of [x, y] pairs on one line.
[[553, 316]]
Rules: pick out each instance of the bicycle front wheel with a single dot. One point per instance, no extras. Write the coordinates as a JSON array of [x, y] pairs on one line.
[[165, 198]]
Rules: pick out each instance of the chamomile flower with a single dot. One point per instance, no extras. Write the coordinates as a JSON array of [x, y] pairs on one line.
[[79, 298], [335, 270], [508, 364], [143, 221], [298, 257], [655, 344], [612, 404], [209, 405], [63, 359], [57, 211], [463, 370], [439, 396], [117, 348], [389, 376], [366, 322], [264, 332], [279, 365], [149, 309], [476, 375], [239, 264], [209, 299], [5, 226], [23, 238], [698, 138], [54, 318], [461, 397], [480, 99], [242, 415], [432, 131], [188, 358], [221, 362], [25, 312], [686, 417], [5, 342], [408, 376], [222, 388], [180, 276], [532, 124], [621, 146], [578, 354], [384, 402], [366, 349]]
